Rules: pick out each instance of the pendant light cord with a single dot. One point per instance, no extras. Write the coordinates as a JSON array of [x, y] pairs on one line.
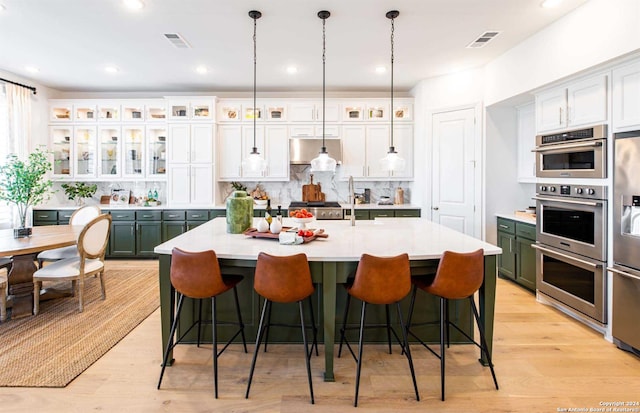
[[255, 148], [324, 58], [392, 34]]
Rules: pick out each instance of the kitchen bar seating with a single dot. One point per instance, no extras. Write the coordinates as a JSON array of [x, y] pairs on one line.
[[282, 279], [459, 276], [380, 280], [5, 263], [197, 275]]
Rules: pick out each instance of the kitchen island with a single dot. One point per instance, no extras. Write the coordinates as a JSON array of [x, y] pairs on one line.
[[331, 262]]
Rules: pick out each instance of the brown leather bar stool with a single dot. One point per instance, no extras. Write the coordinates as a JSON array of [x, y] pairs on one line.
[[380, 280], [5, 262], [459, 276], [197, 275], [282, 280]]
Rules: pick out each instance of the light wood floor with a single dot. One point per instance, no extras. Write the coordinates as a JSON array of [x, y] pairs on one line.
[[545, 361]]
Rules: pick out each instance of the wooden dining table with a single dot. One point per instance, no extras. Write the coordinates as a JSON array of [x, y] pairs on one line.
[[23, 252]]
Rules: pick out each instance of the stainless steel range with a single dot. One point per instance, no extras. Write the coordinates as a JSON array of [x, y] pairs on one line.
[[571, 247], [322, 210]]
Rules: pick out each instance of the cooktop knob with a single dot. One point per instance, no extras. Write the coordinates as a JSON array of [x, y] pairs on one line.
[[579, 191], [591, 191], [543, 188], [552, 188]]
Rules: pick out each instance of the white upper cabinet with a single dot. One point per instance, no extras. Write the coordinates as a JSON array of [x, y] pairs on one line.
[[526, 143], [312, 111], [191, 143], [626, 97], [191, 108], [583, 102], [60, 111], [229, 149], [403, 142]]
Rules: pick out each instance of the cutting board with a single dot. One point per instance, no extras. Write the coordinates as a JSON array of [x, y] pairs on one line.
[[312, 192]]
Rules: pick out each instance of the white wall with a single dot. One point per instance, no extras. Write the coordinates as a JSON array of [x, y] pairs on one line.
[[595, 33]]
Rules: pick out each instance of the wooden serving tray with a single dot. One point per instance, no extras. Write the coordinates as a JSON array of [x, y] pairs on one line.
[[253, 232]]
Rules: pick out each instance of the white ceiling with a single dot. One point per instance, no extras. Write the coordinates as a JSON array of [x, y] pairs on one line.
[[71, 41]]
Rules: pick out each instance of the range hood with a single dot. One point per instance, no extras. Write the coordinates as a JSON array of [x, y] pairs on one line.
[[303, 150]]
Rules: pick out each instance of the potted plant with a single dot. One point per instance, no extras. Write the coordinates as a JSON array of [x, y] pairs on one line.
[[79, 191], [23, 184]]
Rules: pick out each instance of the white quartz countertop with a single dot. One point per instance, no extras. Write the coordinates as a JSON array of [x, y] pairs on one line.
[[527, 220], [219, 206], [418, 237]]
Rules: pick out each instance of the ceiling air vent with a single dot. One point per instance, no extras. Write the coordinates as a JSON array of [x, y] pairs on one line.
[[177, 40], [483, 39]]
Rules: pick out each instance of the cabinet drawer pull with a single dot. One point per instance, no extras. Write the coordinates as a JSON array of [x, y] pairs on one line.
[[173, 215], [121, 216], [504, 226], [43, 216], [147, 216], [196, 216]]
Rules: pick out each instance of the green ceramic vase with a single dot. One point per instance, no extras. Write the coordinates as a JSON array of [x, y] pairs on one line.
[[239, 212]]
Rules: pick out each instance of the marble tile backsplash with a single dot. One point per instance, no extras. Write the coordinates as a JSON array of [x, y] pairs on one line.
[[335, 187]]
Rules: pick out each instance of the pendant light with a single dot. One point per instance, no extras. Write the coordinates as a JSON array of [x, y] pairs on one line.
[[393, 161], [254, 162], [323, 162]]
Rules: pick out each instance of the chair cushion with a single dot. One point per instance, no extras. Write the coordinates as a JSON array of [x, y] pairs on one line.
[[59, 253], [67, 268]]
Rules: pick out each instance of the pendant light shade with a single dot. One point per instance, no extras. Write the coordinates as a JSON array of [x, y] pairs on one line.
[[392, 162], [254, 163], [323, 162]]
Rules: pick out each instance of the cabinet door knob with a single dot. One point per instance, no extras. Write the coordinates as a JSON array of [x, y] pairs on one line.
[[435, 208]]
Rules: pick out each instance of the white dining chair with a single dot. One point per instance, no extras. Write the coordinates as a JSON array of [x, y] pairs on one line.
[[80, 216], [92, 244]]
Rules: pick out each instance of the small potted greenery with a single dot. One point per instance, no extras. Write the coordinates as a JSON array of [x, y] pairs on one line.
[[23, 184], [79, 191]]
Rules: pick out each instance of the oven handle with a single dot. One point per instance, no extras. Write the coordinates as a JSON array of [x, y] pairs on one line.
[[564, 146], [590, 264], [624, 274], [567, 201]]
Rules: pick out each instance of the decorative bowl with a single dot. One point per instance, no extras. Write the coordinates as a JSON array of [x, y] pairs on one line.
[[303, 221], [260, 201]]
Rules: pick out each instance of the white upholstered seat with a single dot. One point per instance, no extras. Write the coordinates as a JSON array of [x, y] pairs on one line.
[[92, 244], [79, 217]]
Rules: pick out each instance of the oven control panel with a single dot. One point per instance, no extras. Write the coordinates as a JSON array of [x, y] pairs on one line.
[[573, 191]]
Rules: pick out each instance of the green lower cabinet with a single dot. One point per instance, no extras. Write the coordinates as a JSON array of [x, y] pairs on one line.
[[122, 241], [148, 236], [518, 259], [172, 229], [381, 213], [407, 213]]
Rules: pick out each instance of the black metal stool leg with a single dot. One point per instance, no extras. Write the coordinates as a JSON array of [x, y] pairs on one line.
[[407, 351], [446, 313], [266, 333], [388, 317], [483, 340], [255, 352], [244, 341], [344, 324], [314, 328], [306, 351], [170, 344], [214, 329], [443, 330], [199, 321], [362, 316]]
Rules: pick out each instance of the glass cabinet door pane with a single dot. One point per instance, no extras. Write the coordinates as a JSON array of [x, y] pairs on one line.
[[179, 110], [377, 113], [132, 112], [85, 151], [133, 151], [60, 112], [352, 112], [61, 148], [201, 111], [85, 113], [109, 113], [157, 150], [109, 139], [156, 112]]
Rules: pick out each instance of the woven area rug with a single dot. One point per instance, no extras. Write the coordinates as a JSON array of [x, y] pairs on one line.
[[54, 347]]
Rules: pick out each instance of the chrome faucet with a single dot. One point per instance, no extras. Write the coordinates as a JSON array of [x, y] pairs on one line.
[[352, 199]]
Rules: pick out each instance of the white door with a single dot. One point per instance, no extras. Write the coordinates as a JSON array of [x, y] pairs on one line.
[[453, 183], [202, 143]]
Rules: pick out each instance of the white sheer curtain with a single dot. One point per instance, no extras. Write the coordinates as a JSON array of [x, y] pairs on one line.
[[15, 130]]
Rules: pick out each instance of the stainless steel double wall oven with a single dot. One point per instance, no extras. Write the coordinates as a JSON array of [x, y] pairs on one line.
[[571, 247]]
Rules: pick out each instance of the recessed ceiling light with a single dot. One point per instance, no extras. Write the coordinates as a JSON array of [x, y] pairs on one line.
[[111, 69], [547, 4], [292, 70], [202, 70], [381, 69], [133, 4], [31, 69]]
